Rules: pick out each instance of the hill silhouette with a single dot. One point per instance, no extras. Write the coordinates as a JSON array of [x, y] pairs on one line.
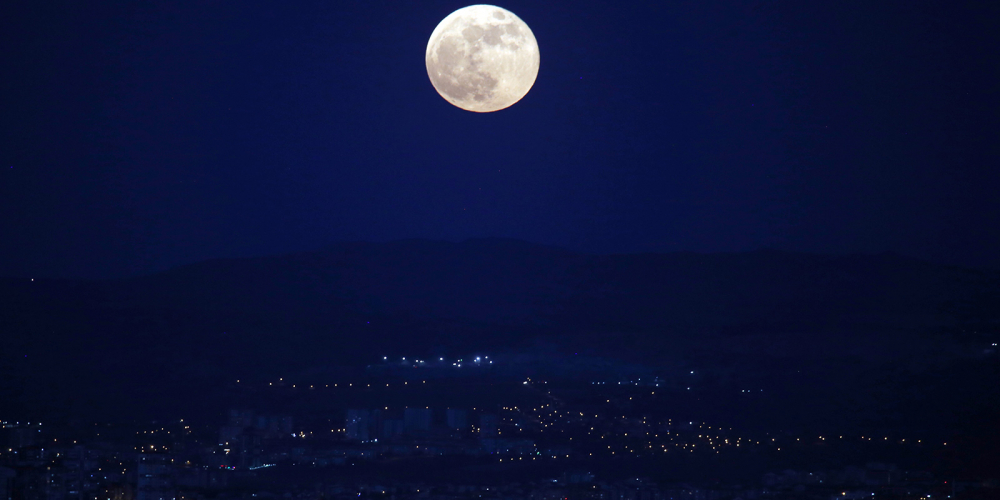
[[349, 303]]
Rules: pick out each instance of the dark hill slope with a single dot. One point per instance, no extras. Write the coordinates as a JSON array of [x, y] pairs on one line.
[[504, 282], [201, 324]]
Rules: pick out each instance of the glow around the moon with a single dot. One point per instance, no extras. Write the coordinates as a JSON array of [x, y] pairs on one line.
[[482, 58]]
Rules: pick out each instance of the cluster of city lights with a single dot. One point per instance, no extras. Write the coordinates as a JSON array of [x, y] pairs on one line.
[[418, 363], [635, 436], [338, 385], [655, 437]]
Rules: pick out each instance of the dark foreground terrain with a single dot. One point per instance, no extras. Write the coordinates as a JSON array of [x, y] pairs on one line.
[[770, 344]]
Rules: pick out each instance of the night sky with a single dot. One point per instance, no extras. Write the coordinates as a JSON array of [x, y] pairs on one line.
[[137, 136]]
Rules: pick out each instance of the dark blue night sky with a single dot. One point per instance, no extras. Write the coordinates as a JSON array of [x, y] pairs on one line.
[[136, 136]]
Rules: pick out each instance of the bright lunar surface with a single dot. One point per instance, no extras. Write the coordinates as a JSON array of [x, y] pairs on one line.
[[482, 58]]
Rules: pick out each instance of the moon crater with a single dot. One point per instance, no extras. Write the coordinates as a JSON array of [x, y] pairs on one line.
[[482, 58]]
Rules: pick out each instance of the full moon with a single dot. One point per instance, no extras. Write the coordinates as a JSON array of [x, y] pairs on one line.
[[482, 58]]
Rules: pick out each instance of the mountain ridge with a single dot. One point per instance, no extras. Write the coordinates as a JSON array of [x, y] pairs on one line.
[[503, 280], [351, 303]]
